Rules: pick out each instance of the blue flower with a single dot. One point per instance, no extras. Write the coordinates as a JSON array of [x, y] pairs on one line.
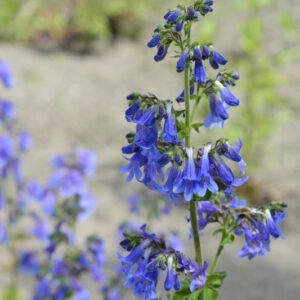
[[28, 263], [226, 95], [154, 41], [186, 181], [173, 16], [217, 114], [207, 207], [205, 179], [146, 136], [179, 26], [217, 59], [182, 61], [6, 75], [254, 244], [144, 281], [6, 111], [136, 162], [170, 131], [172, 280], [24, 141], [199, 276], [162, 52]]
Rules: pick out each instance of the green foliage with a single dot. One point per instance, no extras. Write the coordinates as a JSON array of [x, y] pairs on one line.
[[71, 21], [10, 293], [215, 280]]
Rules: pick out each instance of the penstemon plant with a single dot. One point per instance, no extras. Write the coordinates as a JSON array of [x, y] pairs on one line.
[[164, 159]]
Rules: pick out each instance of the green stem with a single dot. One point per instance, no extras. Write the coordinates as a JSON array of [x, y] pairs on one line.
[[217, 257], [196, 106], [193, 212]]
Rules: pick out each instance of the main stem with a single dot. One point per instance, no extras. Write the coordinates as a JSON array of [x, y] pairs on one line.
[[193, 211]]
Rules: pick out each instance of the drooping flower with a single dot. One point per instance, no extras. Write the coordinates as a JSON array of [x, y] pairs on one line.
[[6, 74], [182, 61], [170, 131]]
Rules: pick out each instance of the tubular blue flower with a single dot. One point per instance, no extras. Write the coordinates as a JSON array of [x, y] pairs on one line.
[[226, 95], [254, 244], [224, 172], [199, 276], [172, 280], [154, 41], [133, 113], [181, 63], [162, 52], [6, 75], [136, 162], [6, 111], [6, 151], [143, 281], [272, 223], [173, 16], [206, 181], [207, 207], [170, 131], [179, 26], [200, 74], [217, 114], [186, 181], [43, 290], [82, 294], [236, 204], [217, 59]]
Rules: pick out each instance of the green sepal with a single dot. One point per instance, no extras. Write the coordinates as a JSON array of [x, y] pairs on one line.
[[215, 280]]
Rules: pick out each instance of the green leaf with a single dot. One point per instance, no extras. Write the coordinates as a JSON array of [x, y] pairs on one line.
[[184, 290], [10, 293], [228, 239], [195, 295], [216, 232], [197, 125], [215, 280], [208, 294]]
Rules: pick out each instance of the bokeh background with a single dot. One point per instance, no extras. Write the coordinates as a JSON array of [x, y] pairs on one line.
[[76, 60]]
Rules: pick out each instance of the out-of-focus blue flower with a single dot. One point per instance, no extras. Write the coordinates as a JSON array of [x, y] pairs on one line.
[[6, 74], [24, 141], [7, 110], [28, 263]]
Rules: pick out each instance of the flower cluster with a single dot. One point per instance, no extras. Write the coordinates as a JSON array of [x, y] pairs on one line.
[[149, 257], [235, 218], [162, 157], [58, 276]]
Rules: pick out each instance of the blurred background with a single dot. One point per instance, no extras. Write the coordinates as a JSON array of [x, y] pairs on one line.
[[76, 60]]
